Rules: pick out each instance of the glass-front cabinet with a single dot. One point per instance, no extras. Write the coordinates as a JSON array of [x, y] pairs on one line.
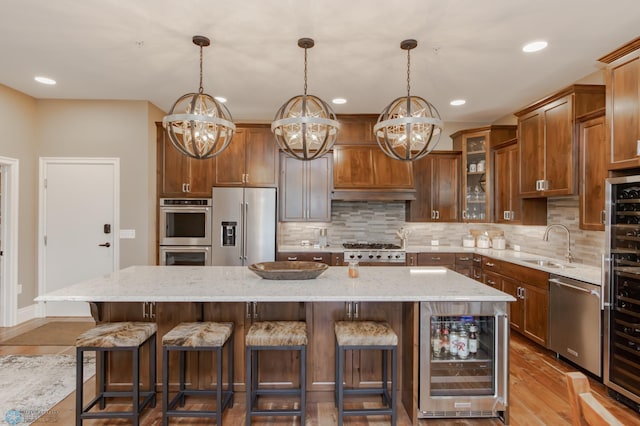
[[475, 145]]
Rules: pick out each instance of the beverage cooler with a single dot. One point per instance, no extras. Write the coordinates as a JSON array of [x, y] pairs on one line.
[[463, 360], [621, 290]]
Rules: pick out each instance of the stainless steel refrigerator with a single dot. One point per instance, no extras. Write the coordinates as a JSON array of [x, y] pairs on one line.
[[621, 290], [244, 226]]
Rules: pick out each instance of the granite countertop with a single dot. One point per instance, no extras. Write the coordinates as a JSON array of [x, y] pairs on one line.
[[239, 284], [577, 271]]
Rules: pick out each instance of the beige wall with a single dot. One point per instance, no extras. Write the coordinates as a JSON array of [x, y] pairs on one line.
[[18, 120], [77, 128]]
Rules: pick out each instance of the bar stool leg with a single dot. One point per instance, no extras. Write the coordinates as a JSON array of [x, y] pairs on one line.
[[153, 370], [230, 370], [249, 386], [136, 387], [394, 380], [165, 385], [340, 386], [79, 384], [101, 378], [385, 389], [303, 384]]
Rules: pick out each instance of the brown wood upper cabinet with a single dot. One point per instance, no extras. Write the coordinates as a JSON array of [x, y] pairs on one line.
[[547, 139], [250, 160], [437, 181], [357, 129], [507, 206], [475, 145], [623, 106], [179, 175], [593, 171]]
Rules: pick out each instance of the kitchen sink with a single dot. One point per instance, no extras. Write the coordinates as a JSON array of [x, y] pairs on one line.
[[547, 263]]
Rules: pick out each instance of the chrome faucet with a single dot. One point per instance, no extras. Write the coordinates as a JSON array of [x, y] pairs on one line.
[[545, 237]]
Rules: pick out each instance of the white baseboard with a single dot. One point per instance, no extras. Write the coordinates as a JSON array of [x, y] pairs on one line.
[[27, 313]]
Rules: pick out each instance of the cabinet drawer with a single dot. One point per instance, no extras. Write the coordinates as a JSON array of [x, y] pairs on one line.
[[306, 256], [436, 259], [531, 276], [492, 280], [464, 259]]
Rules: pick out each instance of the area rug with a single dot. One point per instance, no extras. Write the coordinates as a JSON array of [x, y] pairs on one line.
[[31, 385], [56, 333]]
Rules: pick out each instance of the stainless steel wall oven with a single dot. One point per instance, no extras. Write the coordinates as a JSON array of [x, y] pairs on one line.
[[185, 255], [185, 222]]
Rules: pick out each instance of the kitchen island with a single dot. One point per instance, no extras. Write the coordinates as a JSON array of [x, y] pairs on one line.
[[171, 294]]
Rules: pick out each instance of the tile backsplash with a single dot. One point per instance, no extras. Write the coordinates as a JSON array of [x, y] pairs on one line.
[[367, 221]]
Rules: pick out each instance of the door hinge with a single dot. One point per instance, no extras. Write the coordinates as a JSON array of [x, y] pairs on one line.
[[45, 240], [45, 183]]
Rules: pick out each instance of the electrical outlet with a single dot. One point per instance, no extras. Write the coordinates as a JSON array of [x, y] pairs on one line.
[[516, 247], [19, 288]]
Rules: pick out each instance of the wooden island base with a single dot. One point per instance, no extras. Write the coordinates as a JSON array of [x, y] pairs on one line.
[[364, 367]]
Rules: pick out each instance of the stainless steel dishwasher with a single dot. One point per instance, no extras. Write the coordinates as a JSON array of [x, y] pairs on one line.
[[575, 322]]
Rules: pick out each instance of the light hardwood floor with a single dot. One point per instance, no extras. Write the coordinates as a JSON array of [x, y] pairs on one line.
[[538, 394]]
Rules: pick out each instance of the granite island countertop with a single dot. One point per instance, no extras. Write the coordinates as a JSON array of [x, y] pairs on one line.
[[239, 284]]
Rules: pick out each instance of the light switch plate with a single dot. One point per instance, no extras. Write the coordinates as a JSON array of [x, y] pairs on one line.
[[127, 234]]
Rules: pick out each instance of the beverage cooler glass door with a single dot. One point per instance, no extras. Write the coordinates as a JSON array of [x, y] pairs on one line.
[[463, 359], [621, 291]]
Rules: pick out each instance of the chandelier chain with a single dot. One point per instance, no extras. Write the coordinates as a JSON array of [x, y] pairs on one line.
[[305, 71], [200, 90], [408, 73]]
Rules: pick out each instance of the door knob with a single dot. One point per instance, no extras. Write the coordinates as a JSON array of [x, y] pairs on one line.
[[107, 244]]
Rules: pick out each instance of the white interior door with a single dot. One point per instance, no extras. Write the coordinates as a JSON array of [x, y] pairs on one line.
[[79, 225]]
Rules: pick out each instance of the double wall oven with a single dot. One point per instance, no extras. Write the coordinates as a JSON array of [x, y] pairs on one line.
[[185, 231]]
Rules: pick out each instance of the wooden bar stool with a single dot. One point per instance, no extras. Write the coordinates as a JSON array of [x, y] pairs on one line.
[[197, 336], [367, 335], [275, 336], [108, 338]]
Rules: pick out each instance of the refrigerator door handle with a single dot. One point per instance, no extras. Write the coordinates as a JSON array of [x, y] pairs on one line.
[[241, 242], [246, 231]]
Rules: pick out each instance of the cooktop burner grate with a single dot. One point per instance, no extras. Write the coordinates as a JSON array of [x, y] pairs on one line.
[[371, 246]]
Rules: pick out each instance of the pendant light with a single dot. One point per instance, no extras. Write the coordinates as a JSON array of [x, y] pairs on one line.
[[409, 127], [305, 127], [198, 125]]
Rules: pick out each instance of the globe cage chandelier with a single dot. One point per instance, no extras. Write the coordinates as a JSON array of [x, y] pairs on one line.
[[305, 127], [409, 127], [198, 125]]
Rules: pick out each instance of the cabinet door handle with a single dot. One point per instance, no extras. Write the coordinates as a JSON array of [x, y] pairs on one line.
[[144, 310], [437, 214], [505, 215], [433, 214], [152, 311], [347, 307], [491, 282], [254, 306], [524, 293], [411, 260], [603, 217], [356, 310], [463, 259], [247, 310], [435, 258], [246, 178], [476, 276], [490, 265], [292, 258], [317, 259], [477, 259]]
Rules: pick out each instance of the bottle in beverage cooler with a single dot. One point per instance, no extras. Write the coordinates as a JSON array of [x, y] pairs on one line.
[[435, 340], [444, 340], [463, 345], [453, 340], [473, 340]]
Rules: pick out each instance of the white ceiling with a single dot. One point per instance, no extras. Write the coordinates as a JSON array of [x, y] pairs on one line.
[[471, 49]]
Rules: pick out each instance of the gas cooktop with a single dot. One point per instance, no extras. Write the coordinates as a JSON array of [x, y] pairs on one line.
[[370, 246]]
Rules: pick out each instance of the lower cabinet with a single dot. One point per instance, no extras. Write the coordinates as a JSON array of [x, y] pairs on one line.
[[322, 257], [529, 314]]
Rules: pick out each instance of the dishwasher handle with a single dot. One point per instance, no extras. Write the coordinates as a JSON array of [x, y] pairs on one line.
[[584, 290]]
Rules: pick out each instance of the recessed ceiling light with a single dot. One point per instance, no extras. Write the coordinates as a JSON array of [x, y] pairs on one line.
[[45, 80], [534, 46], [220, 99], [339, 101], [458, 102]]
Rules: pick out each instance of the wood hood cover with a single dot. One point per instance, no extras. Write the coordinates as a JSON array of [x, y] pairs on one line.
[[365, 173]]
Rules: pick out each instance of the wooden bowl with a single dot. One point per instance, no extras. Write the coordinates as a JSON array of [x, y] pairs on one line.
[[288, 270]]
